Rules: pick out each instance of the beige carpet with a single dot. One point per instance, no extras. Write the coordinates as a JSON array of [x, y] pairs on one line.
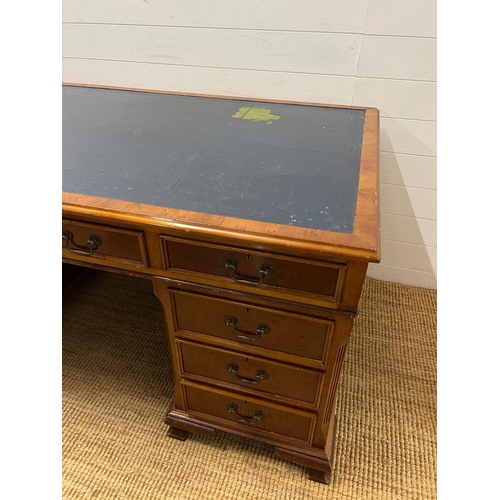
[[117, 385]]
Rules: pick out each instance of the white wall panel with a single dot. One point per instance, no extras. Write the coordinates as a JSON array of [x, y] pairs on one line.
[[409, 256], [407, 201], [401, 275], [318, 15], [403, 58], [232, 82], [397, 98], [409, 230], [323, 53], [401, 17], [408, 136], [408, 170]]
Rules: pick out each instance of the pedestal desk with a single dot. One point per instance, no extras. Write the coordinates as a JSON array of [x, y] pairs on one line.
[[255, 221]]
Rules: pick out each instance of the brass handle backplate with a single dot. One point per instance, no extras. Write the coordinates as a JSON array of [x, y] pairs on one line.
[[93, 243], [258, 415], [262, 328], [265, 271], [260, 375]]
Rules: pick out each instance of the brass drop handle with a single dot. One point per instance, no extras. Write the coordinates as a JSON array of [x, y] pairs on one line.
[[261, 374], [265, 271], [241, 334], [93, 243], [258, 415]]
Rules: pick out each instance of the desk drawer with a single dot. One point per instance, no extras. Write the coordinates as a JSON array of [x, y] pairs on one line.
[[248, 412], [252, 373], [256, 269], [81, 239], [249, 324]]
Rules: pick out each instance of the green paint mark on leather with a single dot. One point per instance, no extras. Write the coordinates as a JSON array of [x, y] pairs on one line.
[[256, 115]]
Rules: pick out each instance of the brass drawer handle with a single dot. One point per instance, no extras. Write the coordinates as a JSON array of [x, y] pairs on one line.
[[261, 328], [93, 243], [258, 415], [261, 374], [265, 271]]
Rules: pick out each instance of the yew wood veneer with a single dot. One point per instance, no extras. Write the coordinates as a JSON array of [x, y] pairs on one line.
[[255, 221]]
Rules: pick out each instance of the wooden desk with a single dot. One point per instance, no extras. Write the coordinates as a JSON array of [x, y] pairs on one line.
[[256, 221]]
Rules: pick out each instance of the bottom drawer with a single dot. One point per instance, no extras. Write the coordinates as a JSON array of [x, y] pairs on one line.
[[248, 412]]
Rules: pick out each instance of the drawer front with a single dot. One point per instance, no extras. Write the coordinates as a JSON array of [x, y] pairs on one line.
[[248, 413], [248, 324], [250, 372], [255, 268], [82, 239]]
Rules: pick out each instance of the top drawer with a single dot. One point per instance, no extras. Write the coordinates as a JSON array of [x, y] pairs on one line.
[[81, 239], [255, 268]]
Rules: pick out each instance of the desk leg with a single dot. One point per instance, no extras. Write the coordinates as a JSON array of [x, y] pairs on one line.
[[319, 470], [319, 476], [176, 433], [180, 428]]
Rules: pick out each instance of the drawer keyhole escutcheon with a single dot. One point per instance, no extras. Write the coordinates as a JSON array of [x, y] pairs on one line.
[[260, 375], [93, 243], [262, 328], [265, 271], [258, 415]]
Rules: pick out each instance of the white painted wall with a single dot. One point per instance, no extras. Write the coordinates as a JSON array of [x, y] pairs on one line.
[[379, 53]]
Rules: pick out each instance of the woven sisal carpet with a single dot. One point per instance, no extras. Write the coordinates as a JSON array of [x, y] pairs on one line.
[[117, 385]]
